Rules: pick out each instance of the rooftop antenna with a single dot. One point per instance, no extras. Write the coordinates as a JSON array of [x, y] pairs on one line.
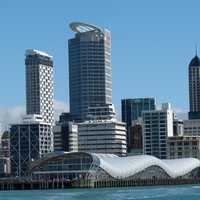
[[196, 49]]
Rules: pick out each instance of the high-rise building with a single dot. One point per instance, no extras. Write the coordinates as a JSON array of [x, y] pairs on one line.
[[157, 127], [102, 136], [29, 140], [65, 134], [194, 88], [39, 84], [90, 72], [131, 110]]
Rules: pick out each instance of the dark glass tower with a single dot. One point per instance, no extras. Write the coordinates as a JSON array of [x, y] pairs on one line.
[[194, 88], [90, 73], [132, 110]]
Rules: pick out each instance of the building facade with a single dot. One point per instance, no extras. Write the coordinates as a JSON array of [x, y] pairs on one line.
[[103, 112], [39, 85], [194, 88], [157, 127], [29, 140], [102, 136], [65, 134], [85, 166], [191, 127], [136, 139], [131, 110], [178, 129], [183, 147], [90, 72], [5, 144], [5, 154]]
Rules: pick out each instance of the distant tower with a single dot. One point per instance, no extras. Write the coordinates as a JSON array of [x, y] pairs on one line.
[[90, 72], [194, 88], [39, 84]]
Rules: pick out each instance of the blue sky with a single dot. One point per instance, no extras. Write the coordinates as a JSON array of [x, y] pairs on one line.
[[152, 44]]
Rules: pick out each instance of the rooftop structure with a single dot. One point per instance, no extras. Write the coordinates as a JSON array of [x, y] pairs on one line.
[[80, 27]]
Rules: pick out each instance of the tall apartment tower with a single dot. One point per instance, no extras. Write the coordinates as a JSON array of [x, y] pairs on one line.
[[39, 84], [90, 72], [157, 127], [131, 110], [194, 88]]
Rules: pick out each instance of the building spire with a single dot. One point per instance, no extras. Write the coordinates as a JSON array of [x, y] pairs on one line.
[[196, 49]]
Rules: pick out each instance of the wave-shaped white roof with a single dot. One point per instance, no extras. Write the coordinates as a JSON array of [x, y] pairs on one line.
[[124, 167]]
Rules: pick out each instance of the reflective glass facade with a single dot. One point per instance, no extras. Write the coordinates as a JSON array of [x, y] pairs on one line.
[[132, 109], [90, 73]]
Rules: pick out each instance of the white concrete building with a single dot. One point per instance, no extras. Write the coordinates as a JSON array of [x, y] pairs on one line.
[[102, 136], [157, 127]]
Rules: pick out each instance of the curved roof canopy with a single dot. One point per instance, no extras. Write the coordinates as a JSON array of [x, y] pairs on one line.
[[195, 61], [124, 167], [80, 27]]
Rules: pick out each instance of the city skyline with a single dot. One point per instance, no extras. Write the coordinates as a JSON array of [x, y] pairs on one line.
[[144, 41]]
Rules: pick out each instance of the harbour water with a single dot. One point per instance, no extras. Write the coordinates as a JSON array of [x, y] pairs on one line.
[[186, 192]]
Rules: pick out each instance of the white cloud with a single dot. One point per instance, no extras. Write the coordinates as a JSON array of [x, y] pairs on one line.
[[9, 115], [59, 107], [181, 113]]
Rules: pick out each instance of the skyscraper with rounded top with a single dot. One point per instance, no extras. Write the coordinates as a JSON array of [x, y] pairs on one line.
[[194, 88], [90, 72]]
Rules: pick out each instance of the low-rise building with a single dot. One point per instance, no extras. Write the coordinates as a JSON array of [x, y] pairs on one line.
[[65, 137], [5, 154], [191, 127], [29, 140], [102, 136], [108, 167], [183, 147], [4, 166], [135, 142]]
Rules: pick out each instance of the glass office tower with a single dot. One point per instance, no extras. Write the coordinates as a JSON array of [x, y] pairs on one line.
[[132, 110], [90, 72]]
